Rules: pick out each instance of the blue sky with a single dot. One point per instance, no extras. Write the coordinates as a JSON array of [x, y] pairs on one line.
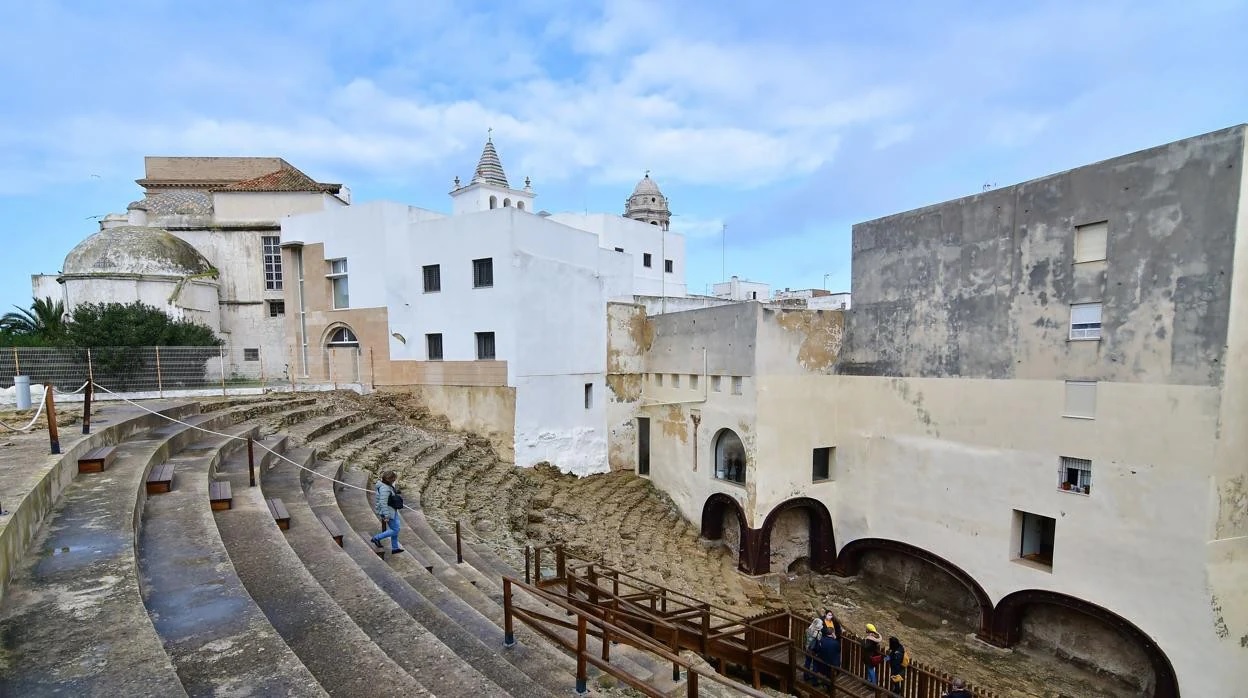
[[788, 122]]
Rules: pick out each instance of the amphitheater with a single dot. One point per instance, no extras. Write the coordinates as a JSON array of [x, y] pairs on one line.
[[114, 587]]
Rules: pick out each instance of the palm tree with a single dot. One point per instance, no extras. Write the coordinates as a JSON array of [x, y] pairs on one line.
[[45, 320]]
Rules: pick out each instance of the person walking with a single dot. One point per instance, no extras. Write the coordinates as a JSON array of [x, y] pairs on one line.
[[830, 647], [814, 631], [958, 690], [897, 663], [872, 653], [386, 504]]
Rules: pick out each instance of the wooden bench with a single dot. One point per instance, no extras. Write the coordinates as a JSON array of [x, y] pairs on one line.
[[219, 496], [160, 479], [97, 460], [334, 531], [280, 515]]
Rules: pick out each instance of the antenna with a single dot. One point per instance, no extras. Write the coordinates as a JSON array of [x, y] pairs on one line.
[[723, 251]]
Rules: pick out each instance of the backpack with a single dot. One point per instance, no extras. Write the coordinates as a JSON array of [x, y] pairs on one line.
[[395, 500]]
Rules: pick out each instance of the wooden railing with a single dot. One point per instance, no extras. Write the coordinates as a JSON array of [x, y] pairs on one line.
[[768, 644]]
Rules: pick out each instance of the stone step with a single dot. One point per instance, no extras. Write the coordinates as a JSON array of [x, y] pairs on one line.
[[288, 399], [404, 639], [218, 638], [73, 620], [339, 654], [329, 441], [455, 622], [314, 428]]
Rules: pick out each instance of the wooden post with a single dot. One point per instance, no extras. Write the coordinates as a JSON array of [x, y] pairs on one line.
[[372, 367], [509, 636], [86, 408], [17, 364], [260, 356], [221, 353], [537, 566], [560, 562], [675, 649], [251, 461], [160, 381], [593, 585], [609, 617], [459, 545], [581, 673], [527, 551], [706, 628], [691, 688], [49, 404]]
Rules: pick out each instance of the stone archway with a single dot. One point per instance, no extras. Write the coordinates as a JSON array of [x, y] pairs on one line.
[[718, 507], [1007, 629], [822, 552], [849, 563]]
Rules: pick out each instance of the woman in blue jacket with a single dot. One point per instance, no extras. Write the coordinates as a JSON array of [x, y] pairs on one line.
[[385, 499]]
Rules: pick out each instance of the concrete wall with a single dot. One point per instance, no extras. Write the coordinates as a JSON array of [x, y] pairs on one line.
[[487, 411], [981, 287], [195, 301], [231, 207]]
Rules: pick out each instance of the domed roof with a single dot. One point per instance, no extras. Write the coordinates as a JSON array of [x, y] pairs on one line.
[[133, 249], [647, 186]]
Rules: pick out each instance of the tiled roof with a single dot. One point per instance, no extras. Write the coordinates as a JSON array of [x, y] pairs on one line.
[[490, 168], [285, 179]]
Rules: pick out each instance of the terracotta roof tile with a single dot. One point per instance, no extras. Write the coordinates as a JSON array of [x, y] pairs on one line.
[[285, 179]]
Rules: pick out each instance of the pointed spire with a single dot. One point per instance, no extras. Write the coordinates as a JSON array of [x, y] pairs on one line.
[[489, 168]]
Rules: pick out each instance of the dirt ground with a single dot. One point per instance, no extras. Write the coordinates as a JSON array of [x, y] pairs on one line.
[[623, 521]]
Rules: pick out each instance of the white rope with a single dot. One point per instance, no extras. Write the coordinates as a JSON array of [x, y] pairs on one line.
[[72, 392], [288, 460], [32, 421]]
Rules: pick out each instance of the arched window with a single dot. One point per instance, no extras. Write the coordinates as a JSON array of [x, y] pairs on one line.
[[342, 338], [654, 222], [506, 203], [520, 205], [493, 202], [729, 457]]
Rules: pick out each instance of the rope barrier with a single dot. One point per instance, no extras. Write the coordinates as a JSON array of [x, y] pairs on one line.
[[81, 388], [31, 423], [317, 473]]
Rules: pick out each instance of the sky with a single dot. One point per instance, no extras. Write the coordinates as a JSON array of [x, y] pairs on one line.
[[771, 127]]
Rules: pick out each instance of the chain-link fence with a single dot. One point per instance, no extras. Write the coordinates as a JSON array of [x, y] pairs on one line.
[[160, 370]]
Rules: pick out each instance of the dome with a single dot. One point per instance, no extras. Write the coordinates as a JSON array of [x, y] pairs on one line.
[[647, 186], [133, 249]]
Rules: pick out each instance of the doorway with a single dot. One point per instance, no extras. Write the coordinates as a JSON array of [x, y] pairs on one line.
[[643, 445]]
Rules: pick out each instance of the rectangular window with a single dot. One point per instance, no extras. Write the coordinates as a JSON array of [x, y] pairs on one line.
[[643, 445], [716, 383], [251, 354], [1090, 242], [433, 278], [485, 346], [482, 273], [272, 245], [589, 395], [693, 381], [338, 281], [433, 346], [619, 249], [1080, 399], [645, 260], [667, 266], [277, 308], [821, 464], [658, 379], [736, 385], [1085, 321], [1035, 536], [675, 380], [1075, 475]]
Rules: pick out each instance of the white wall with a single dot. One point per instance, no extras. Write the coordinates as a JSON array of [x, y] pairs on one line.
[[197, 300], [46, 286], [268, 207], [476, 197], [637, 238]]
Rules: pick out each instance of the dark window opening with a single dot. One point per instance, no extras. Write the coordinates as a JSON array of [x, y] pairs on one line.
[[1036, 538], [251, 354], [645, 259], [821, 466], [643, 445], [433, 278], [485, 346], [433, 346], [277, 308], [482, 273], [667, 266], [729, 457]]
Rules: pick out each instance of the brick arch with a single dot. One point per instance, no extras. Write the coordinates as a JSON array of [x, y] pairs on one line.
[[713, 525], [1007, 625], [822, 538], [849, 562]]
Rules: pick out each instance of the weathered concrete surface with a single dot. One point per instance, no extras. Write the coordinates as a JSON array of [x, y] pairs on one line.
[[397, 633], [31, 481], [981, 287], [324, 637], [457, 625], [219, 640], [73, 621]]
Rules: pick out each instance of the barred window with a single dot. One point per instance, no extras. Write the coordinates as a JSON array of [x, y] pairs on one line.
[[482, 273], [433, 278], [272, 245], [485, 346]]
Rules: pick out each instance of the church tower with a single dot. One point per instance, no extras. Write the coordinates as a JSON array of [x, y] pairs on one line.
[[647, 204], [489, 187]]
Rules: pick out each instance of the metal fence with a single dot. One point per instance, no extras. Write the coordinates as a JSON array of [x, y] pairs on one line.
[[159, 370]]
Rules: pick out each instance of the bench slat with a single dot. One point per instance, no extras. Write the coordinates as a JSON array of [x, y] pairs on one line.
[[219, 496], [97, 460], [160, 479], [280, 515], [332, 528]]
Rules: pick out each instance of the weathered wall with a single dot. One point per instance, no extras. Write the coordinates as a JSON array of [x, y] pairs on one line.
[[981, 287], [629, 336], [1092, 645], [790, 539], [919, 583], [489, 412]]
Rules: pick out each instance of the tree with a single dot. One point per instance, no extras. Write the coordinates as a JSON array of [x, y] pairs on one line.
[[44, 322], [134, 325]]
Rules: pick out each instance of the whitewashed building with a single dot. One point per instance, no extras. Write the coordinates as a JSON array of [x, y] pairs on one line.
[[492, 296]]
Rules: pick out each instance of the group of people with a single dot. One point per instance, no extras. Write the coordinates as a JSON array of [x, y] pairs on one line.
[[824, 652]]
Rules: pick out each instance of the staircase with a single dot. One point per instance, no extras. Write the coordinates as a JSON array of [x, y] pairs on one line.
[[193, 592]]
